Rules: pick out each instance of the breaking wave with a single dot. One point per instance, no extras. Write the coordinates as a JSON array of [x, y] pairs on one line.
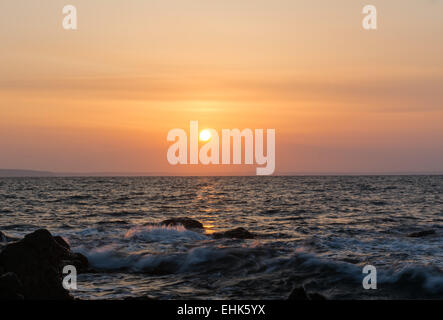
[[163, 234]]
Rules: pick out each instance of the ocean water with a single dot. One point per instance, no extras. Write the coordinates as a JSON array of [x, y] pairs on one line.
[[314, 231]]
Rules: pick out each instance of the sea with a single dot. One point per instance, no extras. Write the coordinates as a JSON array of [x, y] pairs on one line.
[[313, 231]]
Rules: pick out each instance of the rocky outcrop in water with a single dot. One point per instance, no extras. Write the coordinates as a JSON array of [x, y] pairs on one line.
[[33, 267], [192, 224], [139, 298], [299, 293], [188, 223], [237, 233], [423, 233]]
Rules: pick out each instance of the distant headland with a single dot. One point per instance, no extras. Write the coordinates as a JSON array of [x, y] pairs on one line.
[[25, 173]]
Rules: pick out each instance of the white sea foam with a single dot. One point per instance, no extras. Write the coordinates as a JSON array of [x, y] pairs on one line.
[[108, 257], [163, 234]]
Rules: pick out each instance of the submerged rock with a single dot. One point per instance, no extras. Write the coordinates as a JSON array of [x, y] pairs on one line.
[[237, 233], [316, 296], [139, 298], [423, 233], [188, 223], [299, 293], [38, 260]]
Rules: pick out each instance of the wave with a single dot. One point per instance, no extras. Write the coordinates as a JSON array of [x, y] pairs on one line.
[[421, 280], [163, 234], [200, 259], [428, 279], [267, 263]]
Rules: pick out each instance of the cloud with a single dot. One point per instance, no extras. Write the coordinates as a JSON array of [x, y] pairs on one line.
[[411, 93]]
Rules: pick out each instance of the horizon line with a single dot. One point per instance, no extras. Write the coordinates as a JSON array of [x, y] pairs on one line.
[[46, 173]]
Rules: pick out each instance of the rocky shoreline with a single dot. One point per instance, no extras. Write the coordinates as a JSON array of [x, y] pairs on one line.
[[31, 268]]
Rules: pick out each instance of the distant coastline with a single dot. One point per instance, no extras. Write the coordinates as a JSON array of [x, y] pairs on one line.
[[25, 173]]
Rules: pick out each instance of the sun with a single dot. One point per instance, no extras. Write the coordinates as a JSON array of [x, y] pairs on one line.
[[205, 135]]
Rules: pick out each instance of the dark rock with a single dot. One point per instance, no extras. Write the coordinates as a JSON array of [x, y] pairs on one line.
[[237, 233], [38, 260], [351, 260], [11, 287], [316, 296], [62, 242], [423, 233], [299, 293], [188, 223], [78, 260], [140, 298]]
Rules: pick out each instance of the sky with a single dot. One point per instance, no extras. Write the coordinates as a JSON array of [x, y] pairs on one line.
[[340, 98]]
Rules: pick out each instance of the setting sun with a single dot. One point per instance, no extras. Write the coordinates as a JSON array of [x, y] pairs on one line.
[[205, 135]]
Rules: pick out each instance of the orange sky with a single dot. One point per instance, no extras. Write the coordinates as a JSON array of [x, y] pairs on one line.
[[103, 97]]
